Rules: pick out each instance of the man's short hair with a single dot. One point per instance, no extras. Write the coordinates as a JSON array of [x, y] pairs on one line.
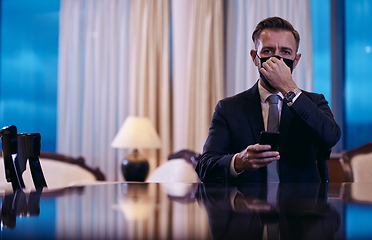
[[275, 23]]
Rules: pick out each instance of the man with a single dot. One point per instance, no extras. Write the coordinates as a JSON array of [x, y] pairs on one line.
[[231, 153]]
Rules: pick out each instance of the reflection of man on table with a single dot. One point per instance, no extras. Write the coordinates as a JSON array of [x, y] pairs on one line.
[[253, 211], [306, 124]]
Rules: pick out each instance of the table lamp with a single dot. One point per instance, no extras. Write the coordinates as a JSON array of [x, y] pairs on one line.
[[136, 133]]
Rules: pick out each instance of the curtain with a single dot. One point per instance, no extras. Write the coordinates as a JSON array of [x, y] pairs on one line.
[[198, 72], [93, 88], [149, 69], [242, 17]]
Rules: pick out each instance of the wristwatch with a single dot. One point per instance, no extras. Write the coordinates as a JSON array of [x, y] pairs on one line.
[[292, 94]]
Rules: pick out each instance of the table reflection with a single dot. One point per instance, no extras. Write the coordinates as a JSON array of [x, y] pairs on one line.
[[270, 211], [16, 205], [190, 211], [137, 202], [132, 211]]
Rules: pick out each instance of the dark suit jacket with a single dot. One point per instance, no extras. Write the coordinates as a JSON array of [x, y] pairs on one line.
[[307, 129]]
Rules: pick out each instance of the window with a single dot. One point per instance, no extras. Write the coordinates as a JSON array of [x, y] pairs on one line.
[[358, 59], [358, 82], [29, 67]]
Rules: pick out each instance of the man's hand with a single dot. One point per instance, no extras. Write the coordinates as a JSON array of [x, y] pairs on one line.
[[278, 74], [254, 157]]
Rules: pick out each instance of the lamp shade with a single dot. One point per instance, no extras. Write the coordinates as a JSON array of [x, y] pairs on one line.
[[136, 132]]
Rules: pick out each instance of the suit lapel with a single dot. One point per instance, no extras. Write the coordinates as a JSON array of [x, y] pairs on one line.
[[253, 111]]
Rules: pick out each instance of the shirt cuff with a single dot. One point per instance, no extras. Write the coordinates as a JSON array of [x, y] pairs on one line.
[[297, 95], [232, 168]]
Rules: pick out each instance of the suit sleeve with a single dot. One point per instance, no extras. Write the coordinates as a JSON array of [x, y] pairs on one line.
[[316, 116], [214, 164]]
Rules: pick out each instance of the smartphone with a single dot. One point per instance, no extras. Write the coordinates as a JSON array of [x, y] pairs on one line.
[[270, 138]]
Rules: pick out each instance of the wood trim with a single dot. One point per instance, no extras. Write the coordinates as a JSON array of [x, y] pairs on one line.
[[335, 171], [80, 161]]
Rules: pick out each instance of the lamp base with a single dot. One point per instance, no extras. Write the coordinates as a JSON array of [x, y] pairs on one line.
[[135, 167]]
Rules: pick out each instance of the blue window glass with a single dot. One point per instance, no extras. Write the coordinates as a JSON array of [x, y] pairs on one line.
[[358, 72], [358, 82], [28, 86], [320, 22], [29, 66]]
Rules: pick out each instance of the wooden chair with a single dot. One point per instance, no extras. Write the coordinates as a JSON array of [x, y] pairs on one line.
[[60, 171], [357, 164]]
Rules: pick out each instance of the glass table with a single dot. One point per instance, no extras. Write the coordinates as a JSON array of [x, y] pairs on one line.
[[130, 210]]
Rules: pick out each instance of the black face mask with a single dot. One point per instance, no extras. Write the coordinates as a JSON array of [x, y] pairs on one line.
[[288, 62]]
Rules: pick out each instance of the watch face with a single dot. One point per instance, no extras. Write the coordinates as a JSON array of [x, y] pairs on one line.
[[290, 95]]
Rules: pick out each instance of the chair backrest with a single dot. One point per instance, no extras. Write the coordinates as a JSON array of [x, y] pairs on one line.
[[357, 164], [179, 168], [189, 155], [60, 171]]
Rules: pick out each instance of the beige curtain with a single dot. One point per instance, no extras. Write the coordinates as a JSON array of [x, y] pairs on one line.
[[197, 69], [92, 87], [149, 69]]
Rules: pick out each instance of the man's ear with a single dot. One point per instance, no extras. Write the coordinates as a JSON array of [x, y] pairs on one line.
[[298, 56], [254, 57]]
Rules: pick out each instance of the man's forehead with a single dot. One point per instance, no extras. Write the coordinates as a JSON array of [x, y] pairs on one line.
[[270, 31], [277, 38]]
